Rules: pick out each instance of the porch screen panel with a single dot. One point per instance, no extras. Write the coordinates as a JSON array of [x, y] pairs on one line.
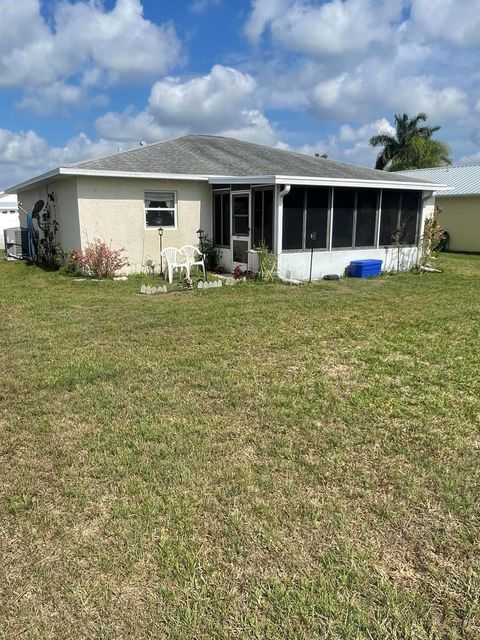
[[389, 216], [217, 218], [257, 217], [268, 218], [221, 219], [366, 217], [225, 219], [409, 216], [263, 218], [343, 210], [317, 217], [293, 204]]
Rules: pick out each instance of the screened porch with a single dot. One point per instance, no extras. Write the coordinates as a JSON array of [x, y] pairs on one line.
[[328, 220]]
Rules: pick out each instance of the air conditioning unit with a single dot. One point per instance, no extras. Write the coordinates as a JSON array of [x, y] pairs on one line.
[[16, 243]]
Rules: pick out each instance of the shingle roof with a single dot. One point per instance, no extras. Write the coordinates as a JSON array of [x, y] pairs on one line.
[[463, 180], [220, 156]]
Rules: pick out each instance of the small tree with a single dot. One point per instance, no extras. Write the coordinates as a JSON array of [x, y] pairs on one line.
[[430, 240], [398, 244]]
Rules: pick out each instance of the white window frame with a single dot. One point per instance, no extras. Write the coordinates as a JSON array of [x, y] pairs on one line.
[[145, 209]]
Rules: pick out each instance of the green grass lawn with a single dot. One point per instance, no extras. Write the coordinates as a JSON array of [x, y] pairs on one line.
[[246, 462]]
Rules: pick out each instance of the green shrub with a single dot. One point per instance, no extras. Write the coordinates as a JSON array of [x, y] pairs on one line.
[[211, 252], [69, 267], [267, 264]]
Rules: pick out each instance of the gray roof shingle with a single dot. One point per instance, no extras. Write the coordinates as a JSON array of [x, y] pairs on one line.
[[220, 156]]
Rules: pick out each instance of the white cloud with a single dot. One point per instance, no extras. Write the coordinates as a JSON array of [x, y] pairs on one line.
[[254, 126], [84, 36], [456, 21], [59, 97], [350, 144], [15, 18], [418, 93], [25, 147], [348, 134], [263, 13], [471, 159], [199, 6], [128, 126], [224, 101], [338, 96], [372, 87], [25, 153], [213, 100], [327, 29]]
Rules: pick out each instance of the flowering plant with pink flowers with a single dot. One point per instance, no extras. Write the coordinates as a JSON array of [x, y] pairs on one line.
[[100, 260]]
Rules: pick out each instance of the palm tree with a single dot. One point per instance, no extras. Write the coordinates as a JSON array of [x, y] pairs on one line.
[[412, 146]]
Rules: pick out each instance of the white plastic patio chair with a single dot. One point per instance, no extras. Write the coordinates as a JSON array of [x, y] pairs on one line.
[[175, 260], [193, 258]]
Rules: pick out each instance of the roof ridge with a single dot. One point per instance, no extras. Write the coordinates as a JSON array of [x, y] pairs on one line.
[[158, 142], [131, 150], [289, 151]]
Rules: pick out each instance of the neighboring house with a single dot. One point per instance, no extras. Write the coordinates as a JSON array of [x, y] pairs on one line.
[[242, 195], [459, 203], [8, 214]]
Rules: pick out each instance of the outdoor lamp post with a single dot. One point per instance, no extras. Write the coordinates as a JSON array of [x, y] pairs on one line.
[[313, 237], [160, 235], [200, 235]]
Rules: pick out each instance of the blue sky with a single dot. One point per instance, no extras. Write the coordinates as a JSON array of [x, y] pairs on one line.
[[85, 78]]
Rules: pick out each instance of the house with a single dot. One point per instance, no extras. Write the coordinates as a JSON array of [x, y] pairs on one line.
[[459, 203], [8, 215], [242, 195]]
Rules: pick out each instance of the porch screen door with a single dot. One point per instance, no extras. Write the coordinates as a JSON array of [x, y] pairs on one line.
[[240, 227]]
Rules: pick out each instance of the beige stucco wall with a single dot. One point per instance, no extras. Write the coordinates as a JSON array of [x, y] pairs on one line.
[[66, 209], [460, 216], [112, 209]]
